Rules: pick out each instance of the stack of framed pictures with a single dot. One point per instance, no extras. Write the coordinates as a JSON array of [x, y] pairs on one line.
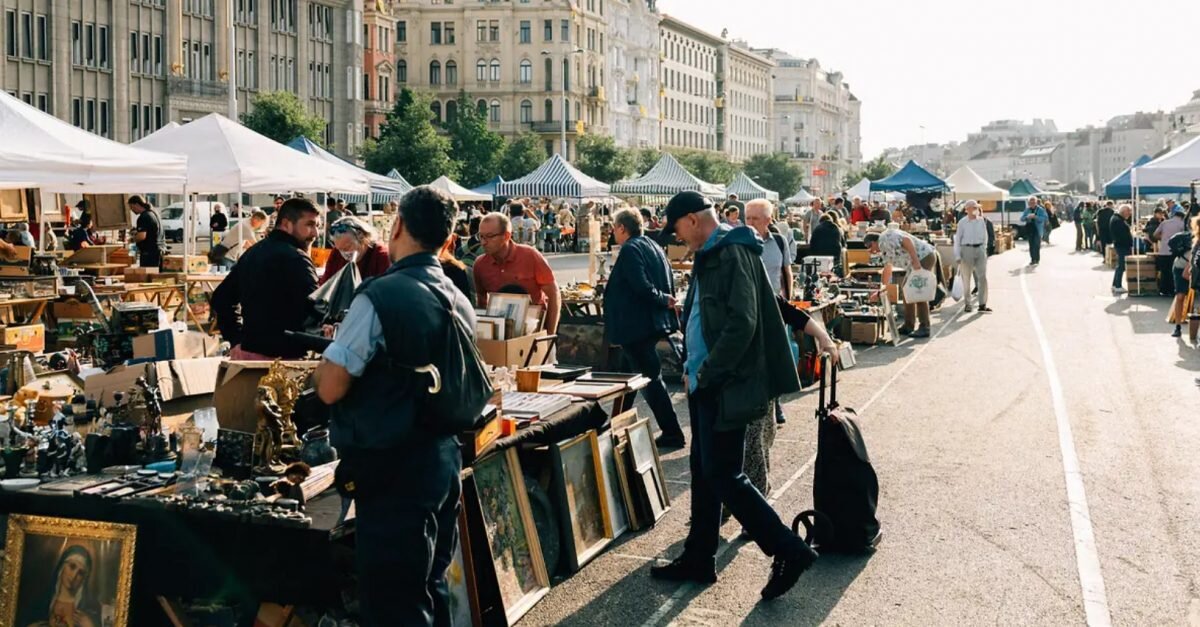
[[639, 471]]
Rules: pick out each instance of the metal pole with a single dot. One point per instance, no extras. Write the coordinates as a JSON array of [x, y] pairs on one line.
[[565, 105], [233, 115]]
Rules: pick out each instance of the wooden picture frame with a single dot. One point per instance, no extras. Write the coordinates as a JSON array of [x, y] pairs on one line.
[[584, 512], [516, 554], [13, 206], [647, 467], [621, 452], [618, 507], [511, 306], [460, 576], [87, 564], [109, 211]]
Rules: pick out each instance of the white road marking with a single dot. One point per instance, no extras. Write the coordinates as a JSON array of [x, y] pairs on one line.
[[687, 588], [1087, 557]]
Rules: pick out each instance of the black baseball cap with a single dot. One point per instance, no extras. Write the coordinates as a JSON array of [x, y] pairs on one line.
[[682, 204]]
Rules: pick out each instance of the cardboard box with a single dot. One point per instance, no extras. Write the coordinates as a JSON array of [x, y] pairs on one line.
[[196, 264], [177, 379], [29, 337], [861, 257], [864, 332], [676, 252], [19, 265], [72, 309], [237, 390], [174, 344], [514, 352]]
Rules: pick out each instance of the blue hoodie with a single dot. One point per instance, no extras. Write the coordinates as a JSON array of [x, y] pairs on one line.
[[697, 349]]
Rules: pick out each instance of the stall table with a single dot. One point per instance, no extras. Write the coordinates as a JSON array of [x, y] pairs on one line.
[[23, 310], [195, 285]]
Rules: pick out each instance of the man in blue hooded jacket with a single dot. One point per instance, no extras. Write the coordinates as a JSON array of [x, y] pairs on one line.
[[736, 365], [1035, 230]]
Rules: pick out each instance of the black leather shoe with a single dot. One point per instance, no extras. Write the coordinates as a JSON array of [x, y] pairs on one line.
[[687, 569], [985, 309], [786, 570], [670, 441], [906, 330]]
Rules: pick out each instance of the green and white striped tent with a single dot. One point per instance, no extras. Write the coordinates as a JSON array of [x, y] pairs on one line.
[[747, 189], [554, 179], [667, 178]]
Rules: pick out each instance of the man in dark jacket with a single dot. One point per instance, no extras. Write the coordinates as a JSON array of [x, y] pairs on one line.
[[406, 529], [639, 310], [271, 282], [1103, 221], [1122, 241], [737, 363], [827, 241]]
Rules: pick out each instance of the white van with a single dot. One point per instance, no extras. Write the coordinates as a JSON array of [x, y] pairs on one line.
[[172, 220]]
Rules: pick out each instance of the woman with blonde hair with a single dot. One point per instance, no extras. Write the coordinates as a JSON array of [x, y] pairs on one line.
[[456, 270]]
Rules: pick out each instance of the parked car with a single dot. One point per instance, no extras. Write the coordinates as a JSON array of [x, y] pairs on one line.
[[172, 220]]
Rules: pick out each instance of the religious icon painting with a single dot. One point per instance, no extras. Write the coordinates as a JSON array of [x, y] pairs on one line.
[[60, 571]]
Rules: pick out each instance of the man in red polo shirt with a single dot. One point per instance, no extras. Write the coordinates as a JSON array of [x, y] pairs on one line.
[[507, 263]]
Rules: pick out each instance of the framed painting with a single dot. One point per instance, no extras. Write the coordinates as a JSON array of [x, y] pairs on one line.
[[511, 535], [584, 513], [464, 599], [617, 505], [647, 466], [624, 478], [61, 571], [109, 211]]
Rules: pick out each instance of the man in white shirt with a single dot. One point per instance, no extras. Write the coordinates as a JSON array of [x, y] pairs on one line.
[[970, 251], [243, 235]]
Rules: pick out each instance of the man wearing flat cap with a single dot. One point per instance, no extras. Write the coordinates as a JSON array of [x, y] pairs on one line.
[[734, 370]]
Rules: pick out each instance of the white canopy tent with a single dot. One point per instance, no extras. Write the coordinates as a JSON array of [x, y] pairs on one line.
[[225, 157], [458, 192], [802, 197], [862, 189], [39, 150], [968, 185], [1178, 168]]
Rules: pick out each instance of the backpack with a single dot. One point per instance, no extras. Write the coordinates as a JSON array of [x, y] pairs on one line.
[[845, 487], [1180, 243], [461, 386]]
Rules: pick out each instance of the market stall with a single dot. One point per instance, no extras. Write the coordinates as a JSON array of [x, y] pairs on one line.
[[383, 188], [665, 179], [747, 189], [458, 192]]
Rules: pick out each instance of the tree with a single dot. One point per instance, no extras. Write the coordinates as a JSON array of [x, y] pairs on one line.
[[409, 142], [599, 157], [475, 147], [775, 172], [875, 169], [712, 167], [644, 159], [281, 116], [523, 154]]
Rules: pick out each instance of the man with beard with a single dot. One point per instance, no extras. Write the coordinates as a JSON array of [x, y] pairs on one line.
[[271, 282]]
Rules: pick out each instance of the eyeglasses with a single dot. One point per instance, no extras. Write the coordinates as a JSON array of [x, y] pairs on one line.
[[487, 237], [342, 229]]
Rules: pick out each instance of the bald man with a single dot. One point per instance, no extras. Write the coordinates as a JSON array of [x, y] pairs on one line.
[[774, 255]]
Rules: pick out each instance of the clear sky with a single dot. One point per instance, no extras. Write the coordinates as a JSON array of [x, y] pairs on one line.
[[954, 65]]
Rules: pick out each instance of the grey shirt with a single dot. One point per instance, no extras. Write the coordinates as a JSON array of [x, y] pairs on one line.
[[773, 260]]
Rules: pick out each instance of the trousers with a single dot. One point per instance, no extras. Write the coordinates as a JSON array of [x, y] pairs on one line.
[[405, 534], [1166, 278], [920, 311], [642, 357], [973, 265], [1119, 273], [718, 479], [1078, 235], [760, 436], [1035, 248]]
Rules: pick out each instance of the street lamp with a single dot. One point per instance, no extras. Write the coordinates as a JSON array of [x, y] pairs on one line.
[[565, 70]]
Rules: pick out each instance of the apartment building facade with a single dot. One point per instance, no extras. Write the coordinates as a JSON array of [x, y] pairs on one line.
[[690, 62], [633, 78], [124, 68], [745, 101], [516, 61]]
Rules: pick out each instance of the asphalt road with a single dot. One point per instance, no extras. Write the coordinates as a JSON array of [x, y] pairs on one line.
[[976, 501]]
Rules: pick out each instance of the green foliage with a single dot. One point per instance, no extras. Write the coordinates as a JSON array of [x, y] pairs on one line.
[[875, 169], [599, 157], [409, 142], [477, 148], [711, 167], [644, 159], [775, 172], [281, 116], [523, 154]]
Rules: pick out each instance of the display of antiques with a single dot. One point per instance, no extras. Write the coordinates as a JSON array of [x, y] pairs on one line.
[[109, 342], [132, 433], [275, 441], [584, 514]]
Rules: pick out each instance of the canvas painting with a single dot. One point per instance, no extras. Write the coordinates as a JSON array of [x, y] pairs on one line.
[[461, 582], [520, 572], [59, 571], [612, 488], [583, 499]]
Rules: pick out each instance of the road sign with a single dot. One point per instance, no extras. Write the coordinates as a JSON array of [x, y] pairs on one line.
[[820, 172]]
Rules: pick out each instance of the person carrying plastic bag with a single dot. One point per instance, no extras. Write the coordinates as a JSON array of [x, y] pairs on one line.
[[919, 258]]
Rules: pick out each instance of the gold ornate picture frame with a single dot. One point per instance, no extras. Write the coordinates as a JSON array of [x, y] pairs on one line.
[[78, 571]]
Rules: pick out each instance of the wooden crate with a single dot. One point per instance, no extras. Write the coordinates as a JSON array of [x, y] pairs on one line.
[[1110, 256], [864, 332]]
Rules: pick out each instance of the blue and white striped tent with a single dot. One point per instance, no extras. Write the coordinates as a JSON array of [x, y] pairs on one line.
[[554, 179], [667, 178], [747, 189], [395, 175], [383, 189]]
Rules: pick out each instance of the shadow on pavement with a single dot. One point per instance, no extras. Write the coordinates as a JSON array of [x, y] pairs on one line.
[[815, 596], [1147, 314]]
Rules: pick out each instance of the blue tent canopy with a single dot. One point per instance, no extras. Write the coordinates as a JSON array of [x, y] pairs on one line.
[[910, 178], [383, 189], [1121, 187], [489, 187]]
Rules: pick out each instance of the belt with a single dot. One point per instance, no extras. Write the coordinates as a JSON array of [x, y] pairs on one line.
[[972, 245]]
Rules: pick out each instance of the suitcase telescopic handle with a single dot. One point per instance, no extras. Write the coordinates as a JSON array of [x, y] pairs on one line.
[[825, 371]]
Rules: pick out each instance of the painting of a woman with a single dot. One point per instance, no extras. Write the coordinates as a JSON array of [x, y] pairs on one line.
[[68, 604]]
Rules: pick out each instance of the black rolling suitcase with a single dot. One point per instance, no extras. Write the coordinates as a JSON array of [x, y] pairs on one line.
[[845, 487]]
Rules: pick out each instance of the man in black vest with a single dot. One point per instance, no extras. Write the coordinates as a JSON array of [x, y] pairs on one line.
[[406, 478]]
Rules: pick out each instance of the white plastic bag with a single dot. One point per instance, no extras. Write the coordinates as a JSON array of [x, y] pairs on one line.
[[956, 288], [921, 287]]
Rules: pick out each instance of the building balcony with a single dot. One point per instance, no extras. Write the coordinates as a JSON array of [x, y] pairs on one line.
[[596, 93], [554, 126], [196, 88]]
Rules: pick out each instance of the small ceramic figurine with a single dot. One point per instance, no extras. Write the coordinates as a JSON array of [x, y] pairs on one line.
[[290, 486]]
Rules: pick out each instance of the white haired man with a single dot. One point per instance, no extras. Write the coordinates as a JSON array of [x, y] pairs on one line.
[[970, 251]]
